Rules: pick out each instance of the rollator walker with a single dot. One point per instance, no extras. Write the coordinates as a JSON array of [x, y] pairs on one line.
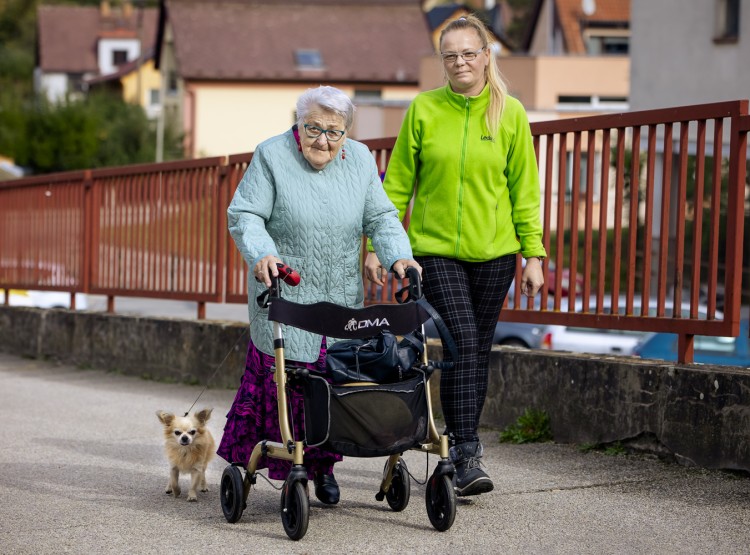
[[347, 418]]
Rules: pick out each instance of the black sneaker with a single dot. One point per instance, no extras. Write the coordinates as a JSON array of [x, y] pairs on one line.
[[469, 478]]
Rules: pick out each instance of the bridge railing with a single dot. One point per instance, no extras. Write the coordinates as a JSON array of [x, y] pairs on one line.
[[643, 211]]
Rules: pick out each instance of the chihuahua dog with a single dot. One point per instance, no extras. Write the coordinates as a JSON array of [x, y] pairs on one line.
[[189, 446]]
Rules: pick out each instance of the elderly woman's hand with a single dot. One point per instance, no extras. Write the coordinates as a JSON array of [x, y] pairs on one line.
[[378, 274], [373, 270], [265, 268], [532, 278]]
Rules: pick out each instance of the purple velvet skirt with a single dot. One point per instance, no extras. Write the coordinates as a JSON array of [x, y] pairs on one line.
[[254, 416]]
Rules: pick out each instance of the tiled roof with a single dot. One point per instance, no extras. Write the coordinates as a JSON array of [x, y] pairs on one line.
[[570, 13], [256, 40], [67, 36]]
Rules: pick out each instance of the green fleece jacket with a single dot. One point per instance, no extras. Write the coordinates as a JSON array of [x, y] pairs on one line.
[[476, 196]]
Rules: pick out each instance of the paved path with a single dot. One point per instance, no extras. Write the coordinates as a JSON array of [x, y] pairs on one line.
[[82, 471]]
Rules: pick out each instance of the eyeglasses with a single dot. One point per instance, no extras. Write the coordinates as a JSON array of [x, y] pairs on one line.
[[468, 56], [314, 132]]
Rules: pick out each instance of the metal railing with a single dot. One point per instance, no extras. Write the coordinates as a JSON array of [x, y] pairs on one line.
[[637, 209]]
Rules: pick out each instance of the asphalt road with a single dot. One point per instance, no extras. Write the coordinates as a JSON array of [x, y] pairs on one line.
[[82, 471]]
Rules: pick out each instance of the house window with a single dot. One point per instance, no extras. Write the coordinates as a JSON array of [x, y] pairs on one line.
[[153, 97], [172, 82], [727, 21], [308, 59], [592, 103], [368, 94], [119, 57], [607, 46]]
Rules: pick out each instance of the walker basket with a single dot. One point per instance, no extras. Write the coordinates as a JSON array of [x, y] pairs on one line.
[[366, 420]]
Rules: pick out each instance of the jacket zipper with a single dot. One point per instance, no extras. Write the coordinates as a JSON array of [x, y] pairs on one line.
[[461, 176]]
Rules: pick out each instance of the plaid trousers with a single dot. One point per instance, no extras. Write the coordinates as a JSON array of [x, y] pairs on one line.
[[469, 297]]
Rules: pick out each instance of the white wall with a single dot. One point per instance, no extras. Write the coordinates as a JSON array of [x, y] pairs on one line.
[[105, 48], [54, 85]]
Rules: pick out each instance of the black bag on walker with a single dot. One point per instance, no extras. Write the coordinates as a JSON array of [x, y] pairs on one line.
[[378, 359], [366, 420]]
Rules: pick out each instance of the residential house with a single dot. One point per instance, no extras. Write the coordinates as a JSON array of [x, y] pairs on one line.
[[79, 47], [497, 15], [689, 52], [574, 60], [234, 69]]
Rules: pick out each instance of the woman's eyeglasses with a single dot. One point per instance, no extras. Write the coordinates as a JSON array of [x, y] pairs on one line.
[[468, 56], [314, 132]]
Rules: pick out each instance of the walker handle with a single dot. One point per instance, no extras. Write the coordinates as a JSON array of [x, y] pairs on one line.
[[413, 290], [288, 275]]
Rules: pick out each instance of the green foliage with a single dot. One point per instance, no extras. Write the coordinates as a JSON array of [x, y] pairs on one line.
[[615, 449], [95, 132], [533, 426], [521, 14], [611, 449], [98, 131]]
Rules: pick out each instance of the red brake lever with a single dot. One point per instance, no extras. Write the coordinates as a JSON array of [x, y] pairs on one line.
[[287, 275]]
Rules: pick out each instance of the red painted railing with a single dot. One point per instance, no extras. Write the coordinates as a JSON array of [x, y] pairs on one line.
[[635, 202]]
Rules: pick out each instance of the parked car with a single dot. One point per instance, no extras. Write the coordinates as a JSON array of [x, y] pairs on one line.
[[575, 339], [590, 340], [552, 280], [43, 299], [517, 334], [708, 349], [604, 340]]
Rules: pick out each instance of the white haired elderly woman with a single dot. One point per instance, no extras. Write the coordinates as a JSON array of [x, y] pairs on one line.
[[306, 200]]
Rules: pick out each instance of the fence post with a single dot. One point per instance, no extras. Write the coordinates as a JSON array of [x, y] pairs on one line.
[[88, 240], [221, 226], [735, 218]]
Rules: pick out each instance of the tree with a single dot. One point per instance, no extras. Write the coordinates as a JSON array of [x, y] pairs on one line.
[[98, 131]]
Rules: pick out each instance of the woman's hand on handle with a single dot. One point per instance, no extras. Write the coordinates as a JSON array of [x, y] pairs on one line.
[[377, 274], [400, 266], [265, 268]]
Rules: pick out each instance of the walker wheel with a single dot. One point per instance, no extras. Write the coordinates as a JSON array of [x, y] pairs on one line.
[[295, 509], [400, 491], [440, 500], [232, 493]]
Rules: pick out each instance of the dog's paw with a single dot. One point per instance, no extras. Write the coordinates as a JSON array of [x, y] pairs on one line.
[[204, 489], [192, 497], [168, 491]]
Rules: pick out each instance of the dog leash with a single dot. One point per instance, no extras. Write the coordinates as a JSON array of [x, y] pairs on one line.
[[232, 348]]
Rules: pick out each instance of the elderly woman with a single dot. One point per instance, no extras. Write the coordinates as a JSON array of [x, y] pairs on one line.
[[306, 200]]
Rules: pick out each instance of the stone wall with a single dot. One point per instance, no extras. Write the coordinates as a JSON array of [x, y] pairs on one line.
[[696, 414]]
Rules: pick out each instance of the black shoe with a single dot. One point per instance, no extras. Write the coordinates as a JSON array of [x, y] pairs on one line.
[[326, 489], [469, 479]]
